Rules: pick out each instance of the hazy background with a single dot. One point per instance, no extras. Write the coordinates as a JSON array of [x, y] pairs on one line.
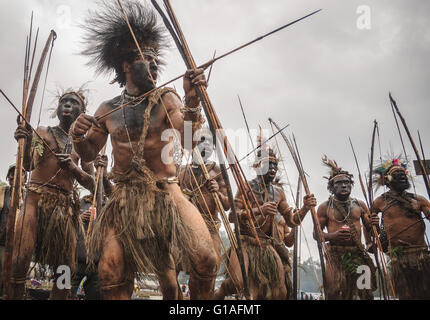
[[327, 76]]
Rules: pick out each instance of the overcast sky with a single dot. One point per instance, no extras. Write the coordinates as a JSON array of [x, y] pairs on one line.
[[327, 76]]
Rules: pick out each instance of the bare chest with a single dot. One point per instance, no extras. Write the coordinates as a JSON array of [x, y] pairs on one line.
[[129, 123], [338, 215], [394, 210], [266, 193]]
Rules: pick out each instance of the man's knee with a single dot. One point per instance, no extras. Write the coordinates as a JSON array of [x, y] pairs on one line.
[[207, 264], [110, 269]]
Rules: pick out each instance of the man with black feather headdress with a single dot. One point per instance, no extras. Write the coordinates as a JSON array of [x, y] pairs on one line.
[[345, 217], [403, 230], [147, 219], [266, 267]]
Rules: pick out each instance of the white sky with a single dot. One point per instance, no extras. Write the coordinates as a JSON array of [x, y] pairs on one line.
[[324, 76]]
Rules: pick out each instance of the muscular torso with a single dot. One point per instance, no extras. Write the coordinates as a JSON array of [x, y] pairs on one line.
[[402, 228], [132, 118], [335, 220]]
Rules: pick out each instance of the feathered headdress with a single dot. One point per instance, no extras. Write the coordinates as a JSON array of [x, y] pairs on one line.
[[383, 173], [108, 40], [335, 171], [265, 152], [81, 93]]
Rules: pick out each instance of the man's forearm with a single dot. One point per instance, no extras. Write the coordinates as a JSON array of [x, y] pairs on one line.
[[27, 155], [85, 149], [224, 201], [84, 179], [327, 236], [196, 120], [107, 185], [298, 216]]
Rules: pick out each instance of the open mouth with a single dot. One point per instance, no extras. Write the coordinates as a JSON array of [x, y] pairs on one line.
[[66, 114]]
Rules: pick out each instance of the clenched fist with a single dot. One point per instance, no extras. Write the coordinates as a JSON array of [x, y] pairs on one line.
[[193, 78], [65, 161], [82, 124], [374, 219], [22, 132], [212, 186], [101, 161], [309, 202], [86, 215], [269, 208]]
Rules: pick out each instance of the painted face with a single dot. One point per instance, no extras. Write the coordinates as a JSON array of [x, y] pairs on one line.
[[144, 73], [400, 181], [342, 187], [11, 174], [269, 170], [69, 108], [205, 148]]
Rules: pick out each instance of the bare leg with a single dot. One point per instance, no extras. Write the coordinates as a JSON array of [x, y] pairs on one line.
[[194, 282], [235, 280], [203, 259], [169, 283], [115, 284], [330, 291], [24, 244]]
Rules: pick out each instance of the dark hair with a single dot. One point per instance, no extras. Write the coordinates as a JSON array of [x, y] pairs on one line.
[[341, 172], [108, 41]]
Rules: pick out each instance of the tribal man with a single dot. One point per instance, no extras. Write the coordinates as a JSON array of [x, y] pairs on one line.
[[147, 217], [5, 197], [265, 268], [403, 228], [49, 222], [201, 191], [286, 239], [287, 234], [92, 283], [343, 217]]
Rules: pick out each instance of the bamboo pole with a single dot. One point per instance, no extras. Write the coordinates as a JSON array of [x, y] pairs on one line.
[[17, 184], [370, 191], [96, 201], [317, 227], [202, 66], [423, 168], [98, 186], [382, 272], [296, 242]]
